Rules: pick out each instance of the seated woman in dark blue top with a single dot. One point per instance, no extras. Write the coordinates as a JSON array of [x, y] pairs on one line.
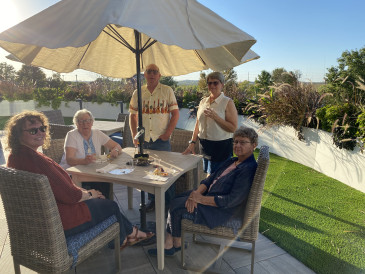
[[220, 197]]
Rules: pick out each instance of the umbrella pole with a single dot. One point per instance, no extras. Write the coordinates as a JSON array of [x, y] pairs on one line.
[[142, 209]]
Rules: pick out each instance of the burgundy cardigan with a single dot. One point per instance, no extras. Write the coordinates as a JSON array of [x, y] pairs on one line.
[[67, 194]]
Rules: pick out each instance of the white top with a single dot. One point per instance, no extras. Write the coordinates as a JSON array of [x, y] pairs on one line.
[[156, 108], [208, 128], [75, 140]]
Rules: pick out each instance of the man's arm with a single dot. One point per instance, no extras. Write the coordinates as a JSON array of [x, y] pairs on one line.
[[171, 126]]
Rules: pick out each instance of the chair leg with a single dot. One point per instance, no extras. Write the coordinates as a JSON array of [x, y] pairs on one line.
[[182, 249], [117, 253], [16, 267], [252, 257], [218, 262]]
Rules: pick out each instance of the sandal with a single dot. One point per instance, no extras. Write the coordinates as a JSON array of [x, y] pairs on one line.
[[137, 239], [124, 245]]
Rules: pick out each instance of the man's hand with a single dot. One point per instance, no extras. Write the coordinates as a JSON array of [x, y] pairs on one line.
[[164, 137]]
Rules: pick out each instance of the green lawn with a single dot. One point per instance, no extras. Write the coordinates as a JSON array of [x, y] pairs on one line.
[[317, 219]]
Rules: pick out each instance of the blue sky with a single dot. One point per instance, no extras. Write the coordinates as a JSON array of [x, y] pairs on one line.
[[308, 36]]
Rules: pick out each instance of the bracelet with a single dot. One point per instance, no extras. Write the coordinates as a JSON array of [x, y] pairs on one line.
[[90, 194], [192, 142]]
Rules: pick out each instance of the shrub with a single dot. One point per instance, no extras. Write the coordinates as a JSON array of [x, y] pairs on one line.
[[291, 105], [341, 120]]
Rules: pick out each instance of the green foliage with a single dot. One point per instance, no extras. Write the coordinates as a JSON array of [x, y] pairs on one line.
[[264, 81], [342, 121], [202, 84], [29, 76], [48, 97], [7, 72], [280, 76], [344, 79], [169, 81]]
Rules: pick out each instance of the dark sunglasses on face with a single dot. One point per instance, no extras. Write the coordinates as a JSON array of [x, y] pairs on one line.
[[34, 131], [150, 71], [215, 83]]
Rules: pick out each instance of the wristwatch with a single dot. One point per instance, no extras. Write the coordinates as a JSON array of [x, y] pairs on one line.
[[192, 142], [90, 194]]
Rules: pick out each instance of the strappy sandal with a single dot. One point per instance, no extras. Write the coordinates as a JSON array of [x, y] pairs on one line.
[[137, 239]]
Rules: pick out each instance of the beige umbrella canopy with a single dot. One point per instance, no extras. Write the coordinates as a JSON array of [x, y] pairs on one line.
[[119, 38]]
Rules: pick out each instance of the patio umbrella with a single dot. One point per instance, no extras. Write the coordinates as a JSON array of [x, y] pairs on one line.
[[119, 38]]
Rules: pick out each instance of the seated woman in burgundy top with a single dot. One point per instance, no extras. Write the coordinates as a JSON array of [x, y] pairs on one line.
[[80, 209]]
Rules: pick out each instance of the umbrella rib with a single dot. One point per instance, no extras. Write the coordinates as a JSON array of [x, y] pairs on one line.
[[122, 40], [83, 55], [201, 59], [145, 46]]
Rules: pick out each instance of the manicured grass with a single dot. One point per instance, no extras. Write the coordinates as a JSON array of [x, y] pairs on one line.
[[317, 219], [3, 120]]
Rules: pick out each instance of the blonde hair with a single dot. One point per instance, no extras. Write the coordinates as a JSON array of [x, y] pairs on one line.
[[15, 125]]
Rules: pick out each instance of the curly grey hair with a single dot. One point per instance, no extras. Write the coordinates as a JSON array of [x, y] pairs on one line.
[[247, 132]]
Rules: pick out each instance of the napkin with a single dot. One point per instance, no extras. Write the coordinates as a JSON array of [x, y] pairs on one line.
[[121, 171], [155, 177], [107, 168]]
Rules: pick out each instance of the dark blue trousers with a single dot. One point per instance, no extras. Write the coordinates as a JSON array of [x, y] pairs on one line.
[[102, 209]]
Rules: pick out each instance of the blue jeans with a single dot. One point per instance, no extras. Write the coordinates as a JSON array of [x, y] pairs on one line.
[[100, 210], [161, 146]]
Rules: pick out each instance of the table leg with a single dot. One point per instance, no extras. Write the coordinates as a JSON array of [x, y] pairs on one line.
[[130, 197], [160, 226]]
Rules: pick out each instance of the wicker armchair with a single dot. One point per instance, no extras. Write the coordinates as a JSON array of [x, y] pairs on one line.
[[54, 116], [55, 150], [250, 223], [179, 142], [59, 131], [122, 117], [36, 234]]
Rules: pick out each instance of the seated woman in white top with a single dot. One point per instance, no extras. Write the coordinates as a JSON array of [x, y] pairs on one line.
[[83, 146]]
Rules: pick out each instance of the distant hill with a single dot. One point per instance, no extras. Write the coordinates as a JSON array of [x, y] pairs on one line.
[[187, 82]]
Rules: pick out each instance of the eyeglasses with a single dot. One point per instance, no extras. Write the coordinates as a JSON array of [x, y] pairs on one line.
[[242, 143], [86, 121], [215, 83], [34, 131], [154, 71]]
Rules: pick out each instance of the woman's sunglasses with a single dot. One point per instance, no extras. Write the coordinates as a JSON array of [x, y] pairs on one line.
[[33, 131], [215, 83]]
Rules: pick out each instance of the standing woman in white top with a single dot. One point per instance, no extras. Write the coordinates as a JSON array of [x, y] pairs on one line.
[[216, 121]]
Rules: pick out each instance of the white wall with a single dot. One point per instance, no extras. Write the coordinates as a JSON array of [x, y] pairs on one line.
[[317, 151]]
